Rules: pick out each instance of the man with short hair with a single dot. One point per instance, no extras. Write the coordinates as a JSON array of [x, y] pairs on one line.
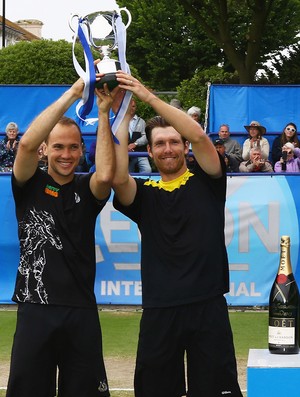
[[58, 324], [231, 145], [137, 142], [256, 163], [184, 265]]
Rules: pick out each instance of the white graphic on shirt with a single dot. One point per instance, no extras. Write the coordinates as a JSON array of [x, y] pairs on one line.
[[77, 198], [39, 231]]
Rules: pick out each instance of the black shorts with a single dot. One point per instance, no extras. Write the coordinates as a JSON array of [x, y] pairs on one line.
[[50, 337], [199, 332]]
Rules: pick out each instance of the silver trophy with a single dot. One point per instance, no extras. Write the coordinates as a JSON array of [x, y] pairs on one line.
[[103, 36]]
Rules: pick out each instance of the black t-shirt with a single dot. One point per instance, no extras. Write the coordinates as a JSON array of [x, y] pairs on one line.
[[56, 226], [183, 257]]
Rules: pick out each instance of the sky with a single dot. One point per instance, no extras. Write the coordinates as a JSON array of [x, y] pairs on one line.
[[54, 14]]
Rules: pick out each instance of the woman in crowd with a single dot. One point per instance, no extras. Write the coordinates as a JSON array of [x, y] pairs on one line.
[[289, 134], [289, 160], [194, 112], [256, 140], [8, 147]]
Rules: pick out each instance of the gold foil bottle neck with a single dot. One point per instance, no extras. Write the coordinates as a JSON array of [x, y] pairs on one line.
[[285, 266], [285, 240]]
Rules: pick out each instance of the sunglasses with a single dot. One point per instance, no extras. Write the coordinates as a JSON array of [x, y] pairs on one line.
[[291, 129]]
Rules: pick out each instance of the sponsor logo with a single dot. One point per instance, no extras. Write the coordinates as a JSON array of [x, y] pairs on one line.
[[103, 386], [51, 190]]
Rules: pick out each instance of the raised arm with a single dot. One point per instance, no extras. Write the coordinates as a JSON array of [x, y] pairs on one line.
[[202, 147], [26, 161], [105, 163], [123, 184]]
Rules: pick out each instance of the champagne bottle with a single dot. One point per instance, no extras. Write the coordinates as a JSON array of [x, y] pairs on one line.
[[284, 306]]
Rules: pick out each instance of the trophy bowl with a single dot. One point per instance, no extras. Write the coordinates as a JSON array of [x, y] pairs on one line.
[[103, 37]]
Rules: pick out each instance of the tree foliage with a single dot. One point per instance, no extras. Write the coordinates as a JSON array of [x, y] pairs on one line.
[[247, 31], [39, 62], [169, 42], [165, 43], [195, 91], [286, 67]]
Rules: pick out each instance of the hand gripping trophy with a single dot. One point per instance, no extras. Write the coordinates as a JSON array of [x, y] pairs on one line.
[[105, 32]]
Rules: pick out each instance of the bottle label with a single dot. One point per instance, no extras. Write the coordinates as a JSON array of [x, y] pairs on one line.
[[282, 331]]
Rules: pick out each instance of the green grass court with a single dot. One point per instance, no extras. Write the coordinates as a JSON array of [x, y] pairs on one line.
[[120, 334]]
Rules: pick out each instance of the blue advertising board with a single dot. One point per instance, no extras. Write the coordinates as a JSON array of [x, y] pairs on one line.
[[32, 100], [259, 210], [237, 105]]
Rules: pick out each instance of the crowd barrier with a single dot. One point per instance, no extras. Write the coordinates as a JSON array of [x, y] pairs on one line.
[[90, 137], [259, 209]]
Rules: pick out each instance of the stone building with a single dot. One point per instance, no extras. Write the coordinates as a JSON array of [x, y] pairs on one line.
[[23, 30]]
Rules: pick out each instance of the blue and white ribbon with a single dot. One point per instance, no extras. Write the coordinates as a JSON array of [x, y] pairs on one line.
[[85, 105], [121, 40]]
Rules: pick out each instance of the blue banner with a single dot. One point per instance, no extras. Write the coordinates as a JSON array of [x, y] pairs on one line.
[[259, 210], [273, 106], [33, 99], [237, 105]]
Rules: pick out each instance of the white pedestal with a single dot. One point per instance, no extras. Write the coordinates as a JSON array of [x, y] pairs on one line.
[[273, 375]]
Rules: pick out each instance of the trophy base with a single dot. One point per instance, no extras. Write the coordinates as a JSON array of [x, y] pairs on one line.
[[110, 79]]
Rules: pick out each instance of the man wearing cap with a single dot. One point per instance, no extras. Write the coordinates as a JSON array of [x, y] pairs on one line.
[[232, 164], [232, 146], [256, 139]]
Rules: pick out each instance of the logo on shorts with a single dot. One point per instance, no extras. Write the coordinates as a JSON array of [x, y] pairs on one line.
[[103, 386], [226, 392]]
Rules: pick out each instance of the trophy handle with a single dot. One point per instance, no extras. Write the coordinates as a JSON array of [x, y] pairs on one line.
[[128, 15], [71, 21]]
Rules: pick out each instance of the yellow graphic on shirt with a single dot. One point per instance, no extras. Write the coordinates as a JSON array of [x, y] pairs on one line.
[[170, 186]]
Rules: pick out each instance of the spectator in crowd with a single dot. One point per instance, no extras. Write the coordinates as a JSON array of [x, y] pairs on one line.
[[194, 112], [8, 147], [83, 164], [231, 145], [256, 163], [256, 139], [58, 322], [184, 274], [137, 142], [176, 103], [290, 159], [91, 155], [43, 160], [289, 134], [231, 163]]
